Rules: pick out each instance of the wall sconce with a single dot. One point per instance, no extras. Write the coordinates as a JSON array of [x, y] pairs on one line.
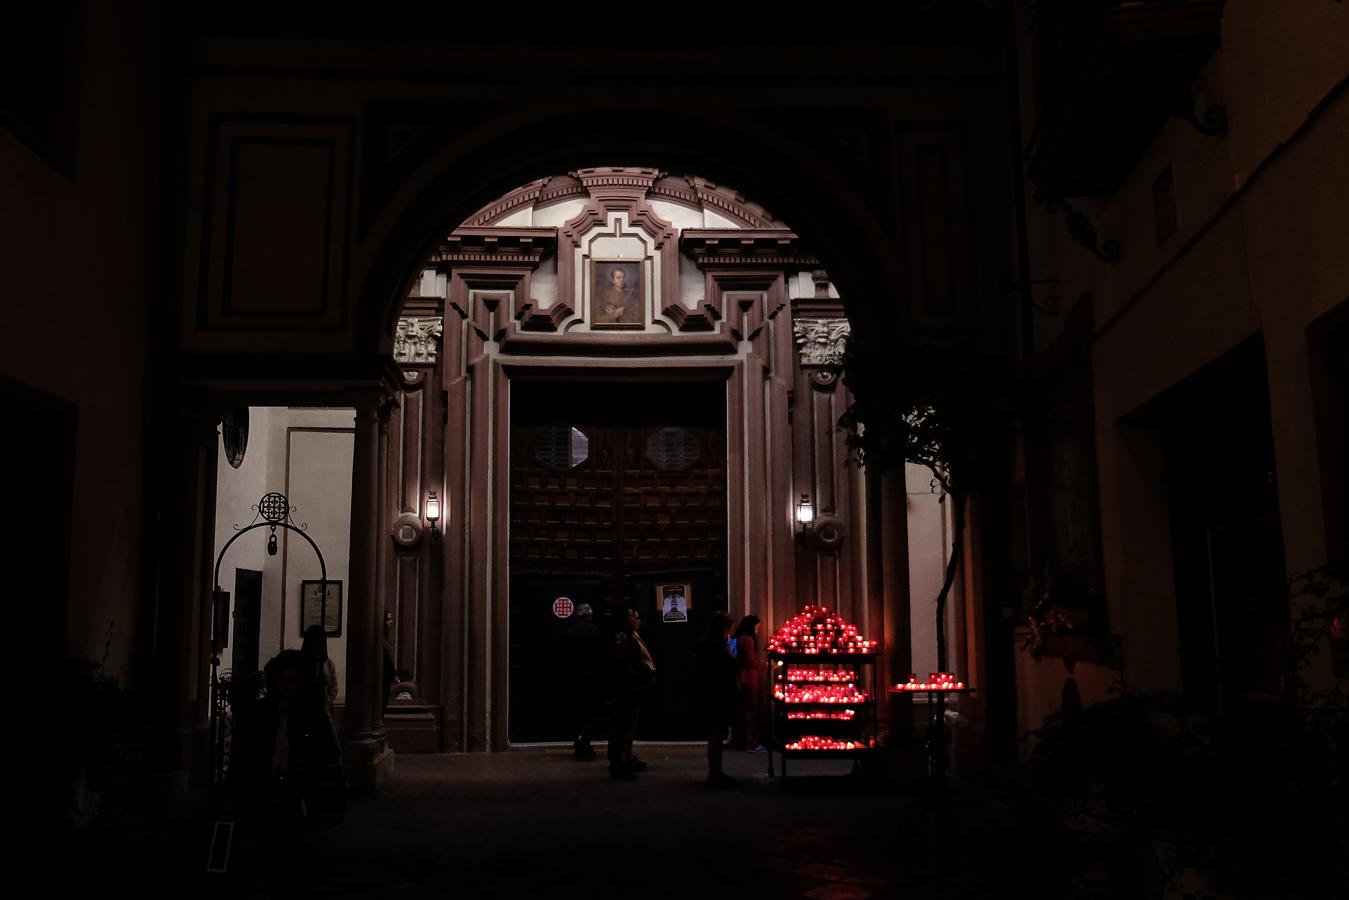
[[805, 514], [432, 510]]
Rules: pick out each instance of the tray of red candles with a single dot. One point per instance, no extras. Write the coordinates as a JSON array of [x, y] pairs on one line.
[[813, 694], [819, 745], [817, 634], [937, 683]]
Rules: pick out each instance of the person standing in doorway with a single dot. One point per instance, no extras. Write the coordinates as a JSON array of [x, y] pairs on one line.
[[315, 647], [715, 678], [749, 679], [582, 649], [633, 672], [285, 746]]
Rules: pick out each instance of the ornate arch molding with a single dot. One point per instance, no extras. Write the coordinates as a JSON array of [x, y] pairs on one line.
[[690, 191], [453, 187]]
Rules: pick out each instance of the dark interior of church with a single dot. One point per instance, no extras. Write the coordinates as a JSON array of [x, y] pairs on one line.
[[896, 451]]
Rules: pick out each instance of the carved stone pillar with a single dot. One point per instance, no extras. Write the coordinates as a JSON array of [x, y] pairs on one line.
[[176, 626], [367, 757], [887, 577]]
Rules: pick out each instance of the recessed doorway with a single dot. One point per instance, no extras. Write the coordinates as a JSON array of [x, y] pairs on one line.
[[618, 496]]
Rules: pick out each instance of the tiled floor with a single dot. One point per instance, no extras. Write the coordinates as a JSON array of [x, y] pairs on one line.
[[537, 824]]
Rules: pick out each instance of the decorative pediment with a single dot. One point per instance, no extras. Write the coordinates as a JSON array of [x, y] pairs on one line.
[[821, 341], [415, 340]]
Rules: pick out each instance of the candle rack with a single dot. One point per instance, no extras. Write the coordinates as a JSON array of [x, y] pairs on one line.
[[822, 677]]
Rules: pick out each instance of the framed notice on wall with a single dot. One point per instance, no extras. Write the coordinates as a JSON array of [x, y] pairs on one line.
[[673, 601], [310, 606]]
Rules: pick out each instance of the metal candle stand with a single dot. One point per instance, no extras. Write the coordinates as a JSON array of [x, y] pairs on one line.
[[933, 799], [859, 729]]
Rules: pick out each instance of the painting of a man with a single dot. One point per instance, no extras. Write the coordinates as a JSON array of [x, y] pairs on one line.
[[616, 295]]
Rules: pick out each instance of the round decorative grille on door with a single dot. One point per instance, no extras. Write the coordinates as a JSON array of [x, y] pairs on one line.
[[561, 446], [672, 448]]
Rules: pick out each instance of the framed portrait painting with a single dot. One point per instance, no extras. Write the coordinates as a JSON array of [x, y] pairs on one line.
[[310, 606], [674, 601], [617, 298]]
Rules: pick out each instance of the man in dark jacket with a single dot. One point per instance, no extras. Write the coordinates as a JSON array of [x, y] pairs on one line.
[[633, 671], [583, 656]]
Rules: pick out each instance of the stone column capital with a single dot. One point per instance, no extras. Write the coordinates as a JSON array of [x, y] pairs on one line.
[[416, 340], [821, 341]]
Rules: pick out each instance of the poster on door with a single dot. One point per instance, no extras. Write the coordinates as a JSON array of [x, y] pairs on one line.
[[674, 601]]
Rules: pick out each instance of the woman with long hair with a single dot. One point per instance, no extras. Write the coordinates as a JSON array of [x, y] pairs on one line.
[[749, 676], [715, 675]]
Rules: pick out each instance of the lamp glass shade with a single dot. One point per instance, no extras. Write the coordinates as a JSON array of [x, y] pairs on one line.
[[432, 508], [805, 513]]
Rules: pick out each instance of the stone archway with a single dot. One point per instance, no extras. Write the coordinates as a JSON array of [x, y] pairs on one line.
[[825, 206], [760, 315], [847, 208]]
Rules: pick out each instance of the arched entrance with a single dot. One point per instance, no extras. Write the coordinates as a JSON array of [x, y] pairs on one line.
[[403, 220], [612, 387], [617, 385]]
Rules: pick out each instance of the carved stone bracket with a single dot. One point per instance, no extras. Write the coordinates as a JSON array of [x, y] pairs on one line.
[[531, 318], [415, 340], [1080, 228], [704, 318], [822, 341]]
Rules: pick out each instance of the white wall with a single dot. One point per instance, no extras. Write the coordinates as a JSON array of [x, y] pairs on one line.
[[930, 525], [307, 455], [237, 492], [318, 476]]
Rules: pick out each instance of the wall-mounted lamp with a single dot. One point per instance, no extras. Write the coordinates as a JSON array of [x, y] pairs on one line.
[[432, 509], [805, 514]]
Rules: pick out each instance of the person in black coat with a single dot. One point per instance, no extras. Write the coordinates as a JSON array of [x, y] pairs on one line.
[[715, 678], [582, 655], [284, 744], [632, 672]]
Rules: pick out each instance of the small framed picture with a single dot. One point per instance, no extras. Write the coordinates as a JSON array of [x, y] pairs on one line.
[[674, 601], [616, 296], [310, 606]]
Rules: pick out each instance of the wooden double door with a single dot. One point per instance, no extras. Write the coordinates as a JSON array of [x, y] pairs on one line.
[[618, 499]]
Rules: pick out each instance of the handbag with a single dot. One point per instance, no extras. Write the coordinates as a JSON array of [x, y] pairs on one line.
[[323, 798]]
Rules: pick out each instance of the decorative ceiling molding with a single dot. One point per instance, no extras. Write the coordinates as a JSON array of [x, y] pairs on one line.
[[630, 183], [822, 341], [615, 182], [498, 246], [746, 247], [415, 340], [537, 193], [734, 205]]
